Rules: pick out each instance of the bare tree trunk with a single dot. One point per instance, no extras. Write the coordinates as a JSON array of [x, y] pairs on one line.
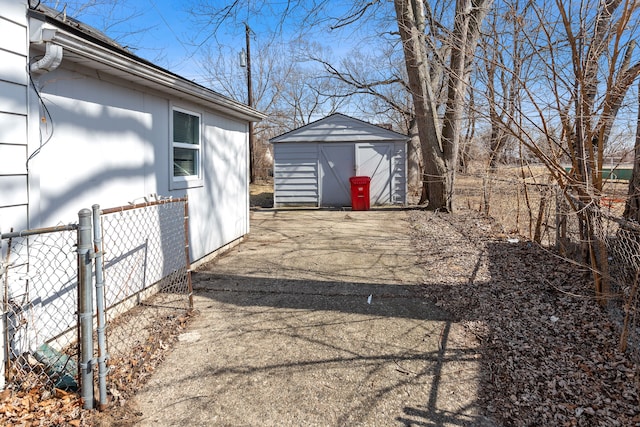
[[414, 158], [456, 91], [411, 23], [467, 140], [439, 149], [498, 136]]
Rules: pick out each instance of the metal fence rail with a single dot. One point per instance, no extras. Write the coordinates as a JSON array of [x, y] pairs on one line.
[[619, 240], [38, 270]]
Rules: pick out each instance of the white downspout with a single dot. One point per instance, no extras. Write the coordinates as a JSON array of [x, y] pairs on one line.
[[50, 61]]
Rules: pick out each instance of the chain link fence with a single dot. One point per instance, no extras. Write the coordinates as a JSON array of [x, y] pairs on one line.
[[580, 231], [147, 290], [526, 204], [142, 295], [598, 228], [38, 272]]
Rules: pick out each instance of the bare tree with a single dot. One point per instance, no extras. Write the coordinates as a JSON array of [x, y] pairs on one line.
[[501, 74], [376, 84], [285, 85], [449, 49], [115, 18], [440, 140], [584, 60], [584, 56]]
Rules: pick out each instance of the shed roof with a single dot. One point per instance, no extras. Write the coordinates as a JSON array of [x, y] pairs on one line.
[[339, 128], [90, 48]]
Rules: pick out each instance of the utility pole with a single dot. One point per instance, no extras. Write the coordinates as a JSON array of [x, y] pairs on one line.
[[252, 174]]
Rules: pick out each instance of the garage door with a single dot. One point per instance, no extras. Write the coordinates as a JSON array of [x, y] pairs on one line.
[[375, 161], [337, 165]]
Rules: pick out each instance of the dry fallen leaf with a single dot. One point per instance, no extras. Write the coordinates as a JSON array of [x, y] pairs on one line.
[[550, 354]]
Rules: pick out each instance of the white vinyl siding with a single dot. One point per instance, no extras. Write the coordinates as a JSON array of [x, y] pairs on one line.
[[13, 116], [295, 174], [13, 129]]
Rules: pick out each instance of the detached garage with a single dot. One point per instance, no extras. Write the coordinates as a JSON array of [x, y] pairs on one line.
[[313, 164]]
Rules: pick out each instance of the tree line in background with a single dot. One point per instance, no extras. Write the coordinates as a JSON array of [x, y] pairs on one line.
[[543, 80]]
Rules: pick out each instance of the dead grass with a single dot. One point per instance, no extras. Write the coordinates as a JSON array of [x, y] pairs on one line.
[[514, 200], [512, 196], [523, 202]]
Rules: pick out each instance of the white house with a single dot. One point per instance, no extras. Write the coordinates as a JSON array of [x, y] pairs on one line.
[[313, 164], [84, 121]]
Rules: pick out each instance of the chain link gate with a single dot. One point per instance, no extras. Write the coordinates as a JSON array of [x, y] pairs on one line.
[[147, 286]]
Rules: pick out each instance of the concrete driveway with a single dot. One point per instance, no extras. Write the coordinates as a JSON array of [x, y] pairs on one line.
[[314, 320]]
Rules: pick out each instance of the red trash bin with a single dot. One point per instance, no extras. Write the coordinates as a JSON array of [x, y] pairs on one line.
[[360, 193]]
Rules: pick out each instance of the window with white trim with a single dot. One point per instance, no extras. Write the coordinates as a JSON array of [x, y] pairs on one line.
[[186, 150]]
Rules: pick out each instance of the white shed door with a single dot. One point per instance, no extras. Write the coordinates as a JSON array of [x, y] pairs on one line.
[[375, 161], [337, 165]]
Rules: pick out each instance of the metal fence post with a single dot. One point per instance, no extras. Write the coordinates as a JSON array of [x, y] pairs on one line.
[[101, 318], [85, 306], [186, 251]]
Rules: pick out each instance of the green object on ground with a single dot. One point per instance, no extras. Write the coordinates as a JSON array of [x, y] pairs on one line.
[[60, 367]]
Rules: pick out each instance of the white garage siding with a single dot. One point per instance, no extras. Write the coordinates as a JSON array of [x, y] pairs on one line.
[[295, 174], [399, 174]]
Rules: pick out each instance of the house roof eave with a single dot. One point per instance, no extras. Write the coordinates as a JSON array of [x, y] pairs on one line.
[[110, 59]]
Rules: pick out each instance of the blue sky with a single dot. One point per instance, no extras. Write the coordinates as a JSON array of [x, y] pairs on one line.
[[168, 33], [160, 31]]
